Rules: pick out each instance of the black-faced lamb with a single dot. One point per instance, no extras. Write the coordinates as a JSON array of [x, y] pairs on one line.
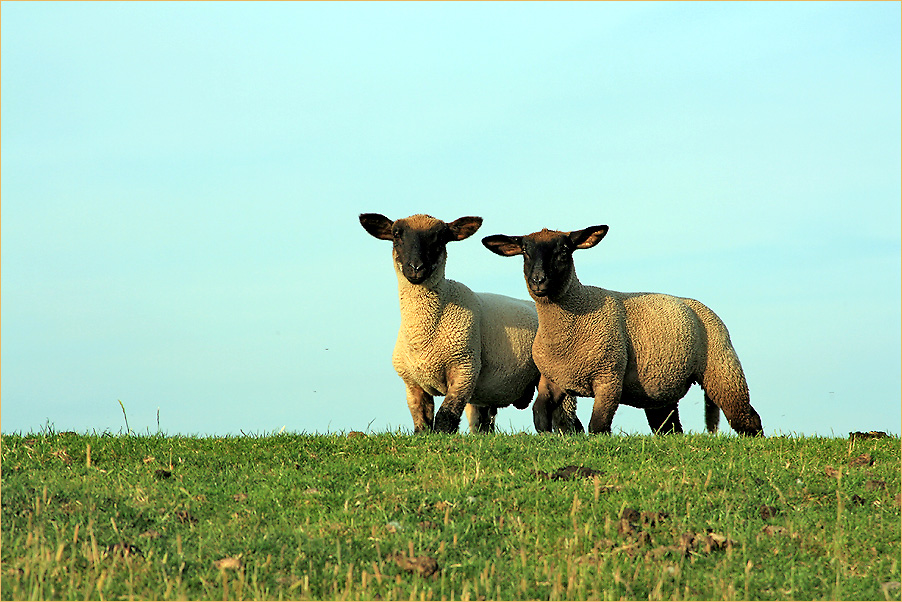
[[473, 348], [641, 349]]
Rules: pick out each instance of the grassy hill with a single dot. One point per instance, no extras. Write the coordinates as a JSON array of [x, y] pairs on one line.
[[397, 516]]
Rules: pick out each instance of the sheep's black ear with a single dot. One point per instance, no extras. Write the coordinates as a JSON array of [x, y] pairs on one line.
[[377, 225], [506, 246], [463, 227], [587, 237]]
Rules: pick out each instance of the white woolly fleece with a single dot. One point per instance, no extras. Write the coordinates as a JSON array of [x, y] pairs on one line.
[[640, 349], [487, 337]]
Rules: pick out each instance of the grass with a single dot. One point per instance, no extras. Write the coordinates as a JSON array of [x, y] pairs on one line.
[[323, 517]]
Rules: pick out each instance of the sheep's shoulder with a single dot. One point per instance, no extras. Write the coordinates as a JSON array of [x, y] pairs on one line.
[[459, 321], [587, 337], [433, 316], [425, 366]]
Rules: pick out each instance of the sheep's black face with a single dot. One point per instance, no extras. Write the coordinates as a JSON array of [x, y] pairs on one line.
[[547, 264], [419, 251], [547, 256]]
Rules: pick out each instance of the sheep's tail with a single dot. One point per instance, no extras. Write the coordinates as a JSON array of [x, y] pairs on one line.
[[723, 380]]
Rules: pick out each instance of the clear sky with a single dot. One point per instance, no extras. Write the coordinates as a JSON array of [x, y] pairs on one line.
[[181, 184]]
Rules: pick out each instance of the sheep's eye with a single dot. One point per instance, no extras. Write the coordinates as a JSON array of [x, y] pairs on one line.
[[396, 234]]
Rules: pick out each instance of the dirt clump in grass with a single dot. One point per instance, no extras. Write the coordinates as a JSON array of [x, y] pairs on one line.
[[868, 435], [862, 460], [645, 517], [425, 566], [568, 473]]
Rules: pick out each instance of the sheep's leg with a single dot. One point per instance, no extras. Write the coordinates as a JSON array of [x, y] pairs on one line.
[[712, 415], [481, 418], [664, 420], [564, 419], [554, 410], [488, 422], [607, 398], [548, 398], [473, 417], [541, 415], [447, 419], [460, 390], [421, 407]]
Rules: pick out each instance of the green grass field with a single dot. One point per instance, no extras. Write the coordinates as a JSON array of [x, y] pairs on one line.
[[403, 517]]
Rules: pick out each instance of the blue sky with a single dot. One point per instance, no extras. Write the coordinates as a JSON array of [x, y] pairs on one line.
[[181, 183]]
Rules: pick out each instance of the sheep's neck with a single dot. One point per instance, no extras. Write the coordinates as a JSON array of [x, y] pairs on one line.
[[559, 316], [422, 304]]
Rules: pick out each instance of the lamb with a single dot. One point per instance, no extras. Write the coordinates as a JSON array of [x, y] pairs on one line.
[[641, 349], [473, 348]]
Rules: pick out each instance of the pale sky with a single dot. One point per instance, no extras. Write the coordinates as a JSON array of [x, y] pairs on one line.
[[181, 184]]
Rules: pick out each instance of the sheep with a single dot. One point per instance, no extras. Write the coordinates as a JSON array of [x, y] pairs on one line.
[[473, 348], [641, 349]]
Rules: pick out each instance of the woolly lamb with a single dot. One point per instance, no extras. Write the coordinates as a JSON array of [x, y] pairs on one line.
[[641, 349], [475, 349]]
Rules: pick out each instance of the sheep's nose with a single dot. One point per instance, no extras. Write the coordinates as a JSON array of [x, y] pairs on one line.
[[538, 278], [415, 271]]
